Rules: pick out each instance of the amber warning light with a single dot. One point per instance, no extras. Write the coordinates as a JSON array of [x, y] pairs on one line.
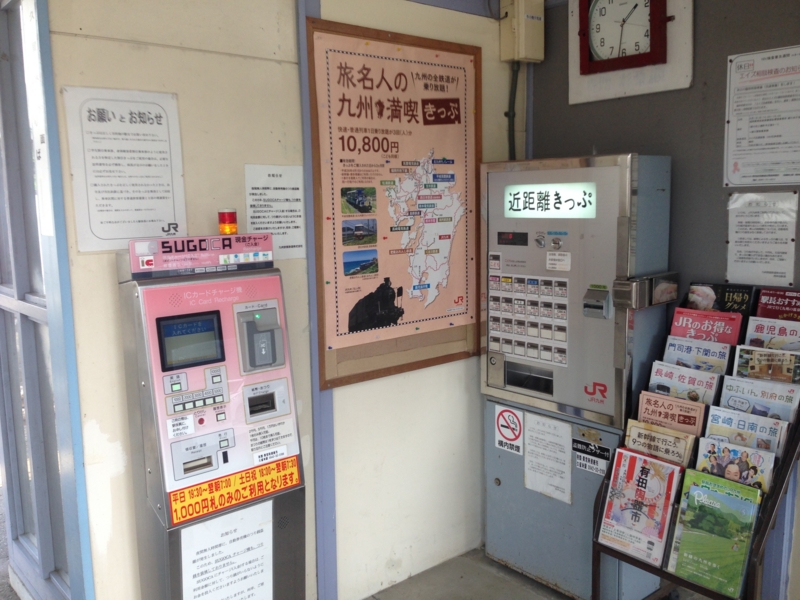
[[227, 221]]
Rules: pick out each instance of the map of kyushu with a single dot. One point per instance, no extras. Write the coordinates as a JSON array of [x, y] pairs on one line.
[[427, 211]]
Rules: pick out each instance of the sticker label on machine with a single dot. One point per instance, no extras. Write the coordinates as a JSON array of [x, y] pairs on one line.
[[229, 557], [207, 498], [591, 457], [508, 429], [528, 317], [268, 441]]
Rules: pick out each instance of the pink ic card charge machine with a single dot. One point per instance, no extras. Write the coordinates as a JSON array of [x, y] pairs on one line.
[[218, 476]]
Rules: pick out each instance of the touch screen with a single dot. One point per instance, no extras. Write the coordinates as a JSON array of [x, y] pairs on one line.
[[190, 340]]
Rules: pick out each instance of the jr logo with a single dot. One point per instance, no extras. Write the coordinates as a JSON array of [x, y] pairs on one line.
[[459, 300], [597, 388], [170, 228]]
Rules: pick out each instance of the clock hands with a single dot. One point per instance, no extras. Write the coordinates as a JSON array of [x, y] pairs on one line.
[[622, 27], [625, 20]]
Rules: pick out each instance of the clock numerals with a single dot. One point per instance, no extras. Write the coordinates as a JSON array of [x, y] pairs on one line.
[[636, 28], [627, 23]]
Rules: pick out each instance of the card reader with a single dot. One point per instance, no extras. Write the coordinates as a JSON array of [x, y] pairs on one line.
[[261, 339]]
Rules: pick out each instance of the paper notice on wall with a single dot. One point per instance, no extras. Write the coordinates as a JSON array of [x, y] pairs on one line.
[[761, 234], [127, 169], [762, 131], [548, 457], [275, 205], [229, 557]]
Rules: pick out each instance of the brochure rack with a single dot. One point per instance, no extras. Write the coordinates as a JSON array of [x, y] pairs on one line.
[[766, 521]]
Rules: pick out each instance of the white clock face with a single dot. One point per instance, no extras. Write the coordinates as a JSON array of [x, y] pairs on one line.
[[619, 28]]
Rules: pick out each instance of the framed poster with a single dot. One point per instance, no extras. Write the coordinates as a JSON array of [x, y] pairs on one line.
[[396, 140]]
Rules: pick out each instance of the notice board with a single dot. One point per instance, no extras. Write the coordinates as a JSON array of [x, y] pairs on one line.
[[396, 148]]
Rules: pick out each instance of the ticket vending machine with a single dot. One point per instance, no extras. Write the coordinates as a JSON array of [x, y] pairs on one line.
[[576, 287], [218, 476]]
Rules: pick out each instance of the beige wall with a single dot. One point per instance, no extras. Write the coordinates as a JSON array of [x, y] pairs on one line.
[[233, 66], [409, 462]]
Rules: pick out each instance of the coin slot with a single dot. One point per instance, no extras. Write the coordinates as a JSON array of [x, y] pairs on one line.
[[263, 403]]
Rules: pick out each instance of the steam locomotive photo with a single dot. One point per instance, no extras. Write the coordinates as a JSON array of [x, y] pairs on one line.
[[377, 309], [358, 200]]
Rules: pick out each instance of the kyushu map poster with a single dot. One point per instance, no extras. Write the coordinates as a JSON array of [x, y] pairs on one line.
[[396, 182]]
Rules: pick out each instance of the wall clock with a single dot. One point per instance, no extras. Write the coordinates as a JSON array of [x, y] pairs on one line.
[[622, 34]]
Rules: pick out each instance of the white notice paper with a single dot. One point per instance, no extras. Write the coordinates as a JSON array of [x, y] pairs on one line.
[[762, 131], [127, 169], [761, 234], [229, 557], [275, 205], [548, 457]]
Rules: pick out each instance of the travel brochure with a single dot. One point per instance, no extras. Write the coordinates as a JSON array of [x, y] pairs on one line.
[[743, 429], [681, 415], [660, 442], [760, 397], [713, 534], [736, 463], [710, 357], [723, 327], [773, 334], [684, 383], [774, 365], [783, 305], [638, 507], [725, 297], [712, 483]]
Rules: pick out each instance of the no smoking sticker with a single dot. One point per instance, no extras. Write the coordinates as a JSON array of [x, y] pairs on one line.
[[508, 429]]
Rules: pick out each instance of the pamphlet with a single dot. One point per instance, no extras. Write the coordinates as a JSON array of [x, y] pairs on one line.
[[715, 540], [751, 431], [761, 397], [711, 357], [710, 482], [706, 325], [736, 463], [774, 365], [725, 297], [638, 507], [778, 303], [681, 415], [684, 383], [773, 334], [660, 442]]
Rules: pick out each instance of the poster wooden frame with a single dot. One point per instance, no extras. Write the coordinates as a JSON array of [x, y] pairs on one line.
[[439, 347]]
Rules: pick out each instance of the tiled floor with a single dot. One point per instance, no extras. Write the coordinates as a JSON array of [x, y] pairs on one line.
[[472, 576]]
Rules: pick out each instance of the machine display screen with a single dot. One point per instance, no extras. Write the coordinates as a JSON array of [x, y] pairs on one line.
[[190, 340], [550, 201]]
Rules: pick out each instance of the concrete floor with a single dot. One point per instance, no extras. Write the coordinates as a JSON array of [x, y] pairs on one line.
[[472, 576]]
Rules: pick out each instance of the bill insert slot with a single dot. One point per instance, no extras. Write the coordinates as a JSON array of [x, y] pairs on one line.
[[197, 465]]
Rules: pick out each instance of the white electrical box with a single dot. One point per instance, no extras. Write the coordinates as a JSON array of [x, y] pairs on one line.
[[522, 30]]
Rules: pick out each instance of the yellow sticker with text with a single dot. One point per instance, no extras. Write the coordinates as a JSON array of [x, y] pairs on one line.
[[197, 501]]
